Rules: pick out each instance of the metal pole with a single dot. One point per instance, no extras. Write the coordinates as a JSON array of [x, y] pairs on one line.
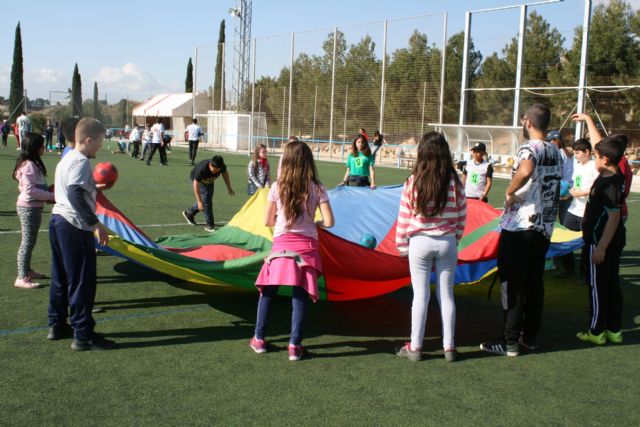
[[346, 104], [252, 141], [443, 67], [382, 87], [222, 80], [521, 33], [424, 99], [465, 60], [333, 87], [584, 53], [315, 105], [284, 106], [194, 75], [260, 101], [290, 83]]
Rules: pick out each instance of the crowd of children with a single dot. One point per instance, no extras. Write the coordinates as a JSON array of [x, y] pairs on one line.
[[431, 221]]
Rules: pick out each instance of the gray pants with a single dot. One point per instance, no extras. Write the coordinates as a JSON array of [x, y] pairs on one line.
[[30, 220]]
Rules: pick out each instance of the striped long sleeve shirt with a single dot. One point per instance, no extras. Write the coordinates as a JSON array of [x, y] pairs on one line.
[[451, 220]]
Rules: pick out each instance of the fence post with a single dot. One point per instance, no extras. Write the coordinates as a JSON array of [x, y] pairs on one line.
[[382, 87], [520, 59], [333, 89], [443, 67], [290, 83], [584, 53]]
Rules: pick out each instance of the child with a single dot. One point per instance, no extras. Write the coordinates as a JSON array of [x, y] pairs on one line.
[[555, 137], [584, 174], [378, 140], [430, 224], [73, 231], [69, 133], [30, 173], [604, 235], [360, 165], [295, 257], [203, 175], [146, 141], [258, 170], [477, 175], [194, 132]]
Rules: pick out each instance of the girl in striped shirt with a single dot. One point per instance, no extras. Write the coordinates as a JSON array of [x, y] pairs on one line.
[[430, 224]]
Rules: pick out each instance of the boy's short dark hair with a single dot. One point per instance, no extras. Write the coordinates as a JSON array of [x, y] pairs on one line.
[[194, 121], [539, 115], [582, 144], [217, 162], [89, 128], [69, 128], [611, 147]]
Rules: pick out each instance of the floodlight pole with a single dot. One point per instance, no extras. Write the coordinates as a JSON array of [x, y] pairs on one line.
[[382, 86], [465, 61], [443, 66], [252, 142], [521, 32], [194, 86], [584, 53], [333, 86], [293, 36]]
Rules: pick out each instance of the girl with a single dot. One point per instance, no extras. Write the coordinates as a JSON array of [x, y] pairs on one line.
[[430, 223], [258, 170], [360, 165], [295, 258], [378, 140], [30, 173]]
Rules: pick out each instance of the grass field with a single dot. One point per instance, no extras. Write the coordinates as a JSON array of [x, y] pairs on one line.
[[183, 359]]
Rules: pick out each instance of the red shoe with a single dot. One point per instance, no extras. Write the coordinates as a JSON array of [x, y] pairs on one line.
[[295, 352], [259, 346]]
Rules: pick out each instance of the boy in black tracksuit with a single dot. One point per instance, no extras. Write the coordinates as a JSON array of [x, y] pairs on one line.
[[604, 236]]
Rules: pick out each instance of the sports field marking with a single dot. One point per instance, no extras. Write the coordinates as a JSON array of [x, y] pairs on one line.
[[30, 329]]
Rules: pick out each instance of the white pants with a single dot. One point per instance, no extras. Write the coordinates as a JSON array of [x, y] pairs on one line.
[[424, 251]]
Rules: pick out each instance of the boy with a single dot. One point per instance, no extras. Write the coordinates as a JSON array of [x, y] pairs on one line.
[[604, 236], [477, 175], [203, 175], [584, 174], [73, 231], [194, 132], [68, 132]]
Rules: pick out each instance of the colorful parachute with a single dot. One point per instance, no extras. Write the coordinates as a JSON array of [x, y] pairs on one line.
[[234, 254]]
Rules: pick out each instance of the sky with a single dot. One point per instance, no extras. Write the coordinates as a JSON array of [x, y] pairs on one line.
[[138, 48]]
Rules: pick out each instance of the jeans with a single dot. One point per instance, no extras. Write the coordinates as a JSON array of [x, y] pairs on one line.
[[299, 310], [73, 277], [193, 149], [163, 153], [521, 256], [424, 252], [206, 194]]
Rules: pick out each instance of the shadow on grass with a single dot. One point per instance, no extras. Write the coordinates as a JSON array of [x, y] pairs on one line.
[[376, 325]]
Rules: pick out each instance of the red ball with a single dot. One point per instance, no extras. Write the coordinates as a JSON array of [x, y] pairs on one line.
[[105, 173]]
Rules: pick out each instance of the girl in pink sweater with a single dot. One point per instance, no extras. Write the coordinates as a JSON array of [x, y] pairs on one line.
[[430, 224], [30, 173]]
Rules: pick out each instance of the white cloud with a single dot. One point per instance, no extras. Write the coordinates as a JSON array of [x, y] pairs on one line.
[[45, 76], [130, 78]]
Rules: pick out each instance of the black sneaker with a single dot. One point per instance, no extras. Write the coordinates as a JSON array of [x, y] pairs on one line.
[[528, 344], [97, 343], [60, 332], [501, 347], [190, 219], [210, 228]]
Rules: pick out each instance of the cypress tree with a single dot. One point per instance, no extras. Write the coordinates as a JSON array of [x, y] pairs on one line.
[[96, 105], [16, 93], [188, 81], [76, 93], [218, 82]]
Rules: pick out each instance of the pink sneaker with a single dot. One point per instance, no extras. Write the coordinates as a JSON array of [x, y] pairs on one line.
[[295, 352], [35, 275], [259, 346], [26, 283]]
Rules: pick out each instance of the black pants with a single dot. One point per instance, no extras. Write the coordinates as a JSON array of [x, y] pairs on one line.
[[521, 269], [193, 149], [605, 294], [358, 181], [4, 140], [136, 149], [206, 194], [163, 153]]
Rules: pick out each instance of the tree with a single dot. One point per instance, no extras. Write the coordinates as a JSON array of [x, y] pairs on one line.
[[76, 93], [453, 77], [124, 112], [96, 103], [16, 93], [218, 82], [188, 81]]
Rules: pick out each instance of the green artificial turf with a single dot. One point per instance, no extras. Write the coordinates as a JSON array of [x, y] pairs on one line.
[[183, 358]]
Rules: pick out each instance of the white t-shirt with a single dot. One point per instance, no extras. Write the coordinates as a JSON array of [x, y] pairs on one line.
[[156, 133], [194, 131], [24, 124], [567, 167], [74, 169], [134, 135], [538, 206], [583, 177]]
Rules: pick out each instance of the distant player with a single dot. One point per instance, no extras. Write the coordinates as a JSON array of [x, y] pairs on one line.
[[477, 175]]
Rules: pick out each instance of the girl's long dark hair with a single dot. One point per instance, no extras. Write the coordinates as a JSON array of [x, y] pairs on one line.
[[297, 174], [256, 156], [31, 145], [432, 174], [365, 146]]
